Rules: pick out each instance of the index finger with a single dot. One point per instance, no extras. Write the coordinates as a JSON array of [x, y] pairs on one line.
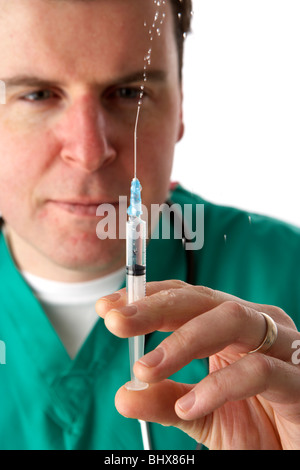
[[167, 306]]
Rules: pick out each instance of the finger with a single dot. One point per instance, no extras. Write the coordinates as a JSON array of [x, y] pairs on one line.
[[250, 376], [116, 300], [156, 404], [167, 306], [231, 325], [119, 298], [170, 288], [164, 310]]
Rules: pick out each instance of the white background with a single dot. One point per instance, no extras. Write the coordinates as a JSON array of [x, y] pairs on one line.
[[242, 106]]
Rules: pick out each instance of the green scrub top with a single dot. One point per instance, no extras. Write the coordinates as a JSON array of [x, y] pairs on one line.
[[49, 401]]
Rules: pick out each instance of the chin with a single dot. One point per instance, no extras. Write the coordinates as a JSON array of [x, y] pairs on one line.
[[97, 256]]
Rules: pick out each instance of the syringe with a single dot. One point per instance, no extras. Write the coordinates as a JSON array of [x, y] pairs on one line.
[[135, 272]]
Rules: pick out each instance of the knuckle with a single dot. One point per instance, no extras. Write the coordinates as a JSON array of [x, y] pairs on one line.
[[234, 309], [160, 299], [178, 341], [179, 283], [217, 382], [205, 290], [165, 297], [274, 311], [262, 365], [279, 315]]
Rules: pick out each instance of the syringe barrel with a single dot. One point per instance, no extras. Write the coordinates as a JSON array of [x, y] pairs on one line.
[[136, 258], [135, 272], [135, 286]]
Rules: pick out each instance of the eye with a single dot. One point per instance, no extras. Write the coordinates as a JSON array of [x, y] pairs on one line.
[[129, 93], [126, 97], [39, 95]]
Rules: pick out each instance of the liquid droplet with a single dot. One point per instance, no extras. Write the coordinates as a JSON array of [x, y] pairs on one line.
[[158, 18]]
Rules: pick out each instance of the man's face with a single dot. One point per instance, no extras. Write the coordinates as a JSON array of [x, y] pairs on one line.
[[73, 72]]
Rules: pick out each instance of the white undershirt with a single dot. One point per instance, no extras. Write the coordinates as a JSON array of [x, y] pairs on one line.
[[70, 307]]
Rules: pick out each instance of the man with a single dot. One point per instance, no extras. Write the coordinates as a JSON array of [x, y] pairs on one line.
[[73, 72]]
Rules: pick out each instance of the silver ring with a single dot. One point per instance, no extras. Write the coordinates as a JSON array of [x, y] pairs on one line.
[[271, 335]]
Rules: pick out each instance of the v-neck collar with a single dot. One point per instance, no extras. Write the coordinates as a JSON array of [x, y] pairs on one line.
[[55, 368]]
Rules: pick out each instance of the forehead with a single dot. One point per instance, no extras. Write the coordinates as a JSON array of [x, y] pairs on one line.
[[80, 36]]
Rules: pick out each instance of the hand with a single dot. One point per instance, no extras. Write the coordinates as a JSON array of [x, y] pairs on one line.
[[248, 401]]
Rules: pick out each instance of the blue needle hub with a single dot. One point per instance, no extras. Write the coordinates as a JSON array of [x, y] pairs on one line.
[[135, 208]]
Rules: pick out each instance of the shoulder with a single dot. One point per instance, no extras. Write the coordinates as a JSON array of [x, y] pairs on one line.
[[249, 255], [231, 221]]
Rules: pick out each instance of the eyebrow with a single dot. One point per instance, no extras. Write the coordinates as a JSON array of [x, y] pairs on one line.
[[27, 80], [35, 81], [151, 75]]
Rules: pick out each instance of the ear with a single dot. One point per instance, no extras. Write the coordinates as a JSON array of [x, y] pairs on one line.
[[181, 123], [180, 131]]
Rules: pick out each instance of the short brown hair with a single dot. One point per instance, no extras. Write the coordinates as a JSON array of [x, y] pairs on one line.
[[182, 12]]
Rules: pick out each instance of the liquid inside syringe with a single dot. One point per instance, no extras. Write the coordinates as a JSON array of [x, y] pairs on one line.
[[135, 272]]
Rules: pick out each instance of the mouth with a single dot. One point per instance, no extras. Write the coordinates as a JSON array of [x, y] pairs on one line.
[[80, 208]]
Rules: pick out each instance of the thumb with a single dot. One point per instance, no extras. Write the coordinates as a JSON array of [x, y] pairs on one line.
[[157, 404]]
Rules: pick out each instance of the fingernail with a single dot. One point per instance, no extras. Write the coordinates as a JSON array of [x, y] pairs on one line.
[[187, 402], [153, 358], [112, 297], [127, 311]]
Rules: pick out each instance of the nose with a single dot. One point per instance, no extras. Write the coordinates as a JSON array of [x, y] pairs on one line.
[[84, 136]]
